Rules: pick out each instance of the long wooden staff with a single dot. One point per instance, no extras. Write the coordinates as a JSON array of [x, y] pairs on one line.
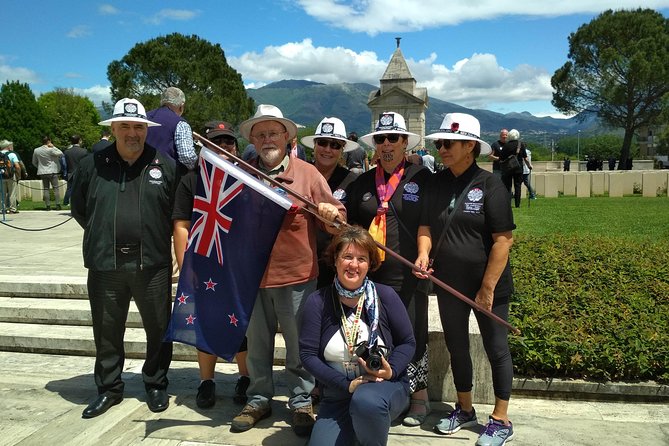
[[312, 208]]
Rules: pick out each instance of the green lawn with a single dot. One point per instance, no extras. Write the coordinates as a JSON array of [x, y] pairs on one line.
[[636, 218]]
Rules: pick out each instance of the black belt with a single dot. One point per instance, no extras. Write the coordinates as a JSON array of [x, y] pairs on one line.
[[127, 248]]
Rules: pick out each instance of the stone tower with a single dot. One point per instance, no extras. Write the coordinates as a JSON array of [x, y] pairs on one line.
[[398, 93]]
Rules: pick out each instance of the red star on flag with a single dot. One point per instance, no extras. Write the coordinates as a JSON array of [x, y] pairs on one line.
[[233, 319], [182, 299], [190, 320], [210, 285]]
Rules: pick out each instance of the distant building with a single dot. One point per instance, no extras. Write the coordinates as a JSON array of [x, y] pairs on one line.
[[398, 93]]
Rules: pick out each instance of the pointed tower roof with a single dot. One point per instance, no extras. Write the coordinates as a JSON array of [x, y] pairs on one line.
[[397, 67]]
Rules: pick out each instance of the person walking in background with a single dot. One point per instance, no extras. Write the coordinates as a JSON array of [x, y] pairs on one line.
[[105, 134], [356, 159], [388, 200], [122, 196], [527, 171], [73, 155], [514, 147], [222, 134], [174, 137], [10, 177], [466, 228], [47, 160], [566, 164], [496, 152]]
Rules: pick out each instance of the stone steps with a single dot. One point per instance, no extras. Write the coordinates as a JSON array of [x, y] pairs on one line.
[[53, 317]]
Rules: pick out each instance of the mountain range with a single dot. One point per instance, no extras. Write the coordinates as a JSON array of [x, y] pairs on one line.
[[307, 102]]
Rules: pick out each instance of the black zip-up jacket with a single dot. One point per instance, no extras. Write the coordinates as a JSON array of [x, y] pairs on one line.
[[95, 190]]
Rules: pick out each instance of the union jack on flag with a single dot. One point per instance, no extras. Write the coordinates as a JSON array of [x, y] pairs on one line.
[[206, 229], [235, 221]]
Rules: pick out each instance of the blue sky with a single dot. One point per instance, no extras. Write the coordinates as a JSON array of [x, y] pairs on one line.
[[492, 54]]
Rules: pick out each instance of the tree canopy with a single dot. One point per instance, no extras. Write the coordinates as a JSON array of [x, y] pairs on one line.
[[21, 119], [67, 114], [213, 89], [618, 69]]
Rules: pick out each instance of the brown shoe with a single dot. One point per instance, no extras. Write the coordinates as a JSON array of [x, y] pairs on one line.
[[248, 417], [303, 420]]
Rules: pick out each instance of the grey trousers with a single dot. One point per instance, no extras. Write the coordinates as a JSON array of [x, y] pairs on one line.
[[278, 306]]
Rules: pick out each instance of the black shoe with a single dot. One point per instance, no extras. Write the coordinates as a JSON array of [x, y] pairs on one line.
[[101, 405], [240, 390], [157, 399], [58, 208], [206, 394], [48, 208]]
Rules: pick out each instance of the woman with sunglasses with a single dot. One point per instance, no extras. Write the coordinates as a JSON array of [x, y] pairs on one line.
[[466, 228], [329, 143], [388, 200], [222, 134]]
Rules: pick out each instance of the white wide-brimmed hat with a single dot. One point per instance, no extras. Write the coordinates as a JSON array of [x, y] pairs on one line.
[[461, 126], [331, 128], [266, 112], [391, 122], [127, 109]]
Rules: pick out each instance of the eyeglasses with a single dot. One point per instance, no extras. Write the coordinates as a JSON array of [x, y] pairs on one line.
[[227, 140], [333, 143], [392, 137], [272, 136], [446, 143], [349, 258]]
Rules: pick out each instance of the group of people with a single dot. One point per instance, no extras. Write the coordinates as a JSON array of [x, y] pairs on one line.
[[509, 145], [353, 316]]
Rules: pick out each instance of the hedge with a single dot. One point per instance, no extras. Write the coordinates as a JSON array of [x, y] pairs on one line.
[[595, 308]]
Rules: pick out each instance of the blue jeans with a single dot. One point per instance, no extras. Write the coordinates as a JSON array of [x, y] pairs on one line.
[[365, 415]]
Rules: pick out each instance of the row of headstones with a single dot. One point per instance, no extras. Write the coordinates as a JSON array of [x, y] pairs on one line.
[[649, 183]]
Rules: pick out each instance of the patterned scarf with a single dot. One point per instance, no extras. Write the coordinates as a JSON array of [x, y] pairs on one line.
[[371, 304], [384, 191]]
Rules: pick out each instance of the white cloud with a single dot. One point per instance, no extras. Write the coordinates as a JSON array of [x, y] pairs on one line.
[[172, 14], [79, 31], [378, 16], [473, 82], [13, 73], [73, 75], [96, 93], [107, 9]]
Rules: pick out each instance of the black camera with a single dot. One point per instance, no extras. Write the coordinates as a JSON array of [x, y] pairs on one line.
[[371, 355]]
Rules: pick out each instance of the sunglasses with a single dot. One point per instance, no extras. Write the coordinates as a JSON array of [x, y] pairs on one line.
[[392, 137], [227, 140], [333, 143], [446, 143]]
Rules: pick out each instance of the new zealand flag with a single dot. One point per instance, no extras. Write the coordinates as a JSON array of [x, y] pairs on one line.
[[236, 219]]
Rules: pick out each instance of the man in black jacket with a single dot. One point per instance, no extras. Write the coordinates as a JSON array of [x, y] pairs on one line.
[[122, 196]]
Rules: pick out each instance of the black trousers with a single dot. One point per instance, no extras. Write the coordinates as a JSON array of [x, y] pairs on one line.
[[109, 293], [454, 315], [517, 180], [416, 303]]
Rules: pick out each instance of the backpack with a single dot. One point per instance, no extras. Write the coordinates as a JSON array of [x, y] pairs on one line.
[[6, 166]]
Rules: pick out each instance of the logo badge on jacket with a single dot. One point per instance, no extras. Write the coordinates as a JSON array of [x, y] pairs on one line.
[[411, 190], [474, 203], [156, 175]]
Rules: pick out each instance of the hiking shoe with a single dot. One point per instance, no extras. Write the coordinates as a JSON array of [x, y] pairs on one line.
[[303, 420], [456, 420], [495, 433], [240, 390], [206, 394], [248, 417]]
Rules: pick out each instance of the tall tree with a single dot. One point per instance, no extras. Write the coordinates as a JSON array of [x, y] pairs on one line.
[[213, 89], [21, 119], [67, 114], [618, 69]]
